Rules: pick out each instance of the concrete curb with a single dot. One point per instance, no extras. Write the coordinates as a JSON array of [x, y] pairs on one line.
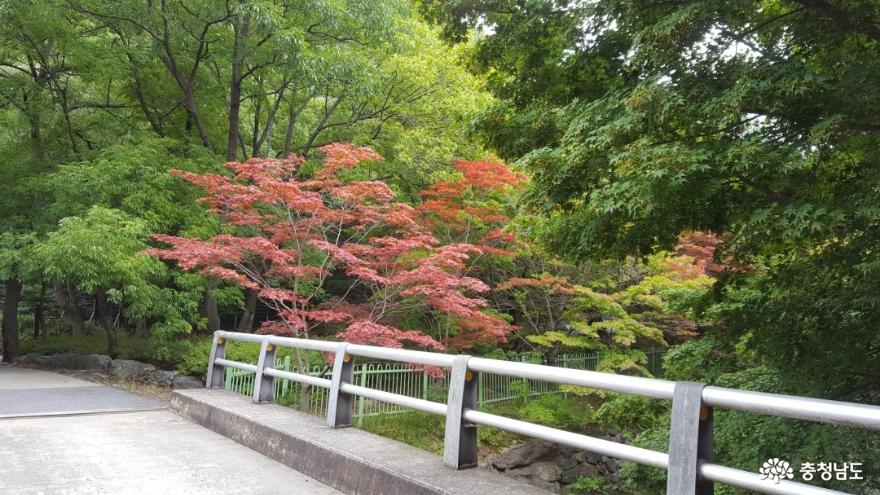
[[350, 460]]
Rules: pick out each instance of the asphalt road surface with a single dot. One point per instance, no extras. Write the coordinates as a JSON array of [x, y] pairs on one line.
[[60, 435]]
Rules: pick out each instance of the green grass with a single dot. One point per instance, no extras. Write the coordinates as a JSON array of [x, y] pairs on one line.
[[425, 431], [415, 428]]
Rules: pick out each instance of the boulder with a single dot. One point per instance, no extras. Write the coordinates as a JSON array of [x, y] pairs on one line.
[[187, 382], [567, 463], [612, 466], [68, 361], [592, 458], [127, 369], [162, 378], [547, 471], [587, 470], [31, 359], [520, 472], [523, 454], [569, 476]]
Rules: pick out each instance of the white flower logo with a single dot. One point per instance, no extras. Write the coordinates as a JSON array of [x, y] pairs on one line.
[[776, 469]]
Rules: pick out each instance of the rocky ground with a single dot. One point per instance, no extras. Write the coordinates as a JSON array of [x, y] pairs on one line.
[[551, 467], [134, 376]]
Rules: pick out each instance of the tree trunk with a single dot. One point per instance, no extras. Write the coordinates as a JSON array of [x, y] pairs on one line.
[[250, 306], [241, 29], [64, 296], [266, 135], [328, 111], [293, 114], [305, 389], [209, 310], [10, 319], [255, 133], [39, 312], [106, 315]]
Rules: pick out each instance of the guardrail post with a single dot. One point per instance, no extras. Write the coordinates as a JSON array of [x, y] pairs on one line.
[[264, 385], [690, 441], [339, 404], [215, 371], [460, 438]]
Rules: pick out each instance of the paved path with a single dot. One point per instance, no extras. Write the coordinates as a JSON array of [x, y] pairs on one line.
[[61, 435]]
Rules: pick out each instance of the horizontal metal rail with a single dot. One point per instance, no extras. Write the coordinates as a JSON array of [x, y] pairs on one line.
[[658, 389], [403, 355], [789, 406], [562, 437], [236, 365], [689, 461], [297, 377], [400, 400], [753, 481]]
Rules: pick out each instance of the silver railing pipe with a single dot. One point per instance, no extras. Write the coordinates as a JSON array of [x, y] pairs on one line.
[[688, 463], [789, 406], [658, 389], [752, 481], [577, 441]]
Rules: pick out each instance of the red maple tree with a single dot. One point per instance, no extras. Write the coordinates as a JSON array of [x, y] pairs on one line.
[[286, 236], [469, 209]]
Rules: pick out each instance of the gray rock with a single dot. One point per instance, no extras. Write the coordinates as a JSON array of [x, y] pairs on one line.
[[187, 382], [612, 466], [587, 470], [523, 454], [127, 369], [162, 378], [68, 361], [522, 472], [569, 476], [547, 471], [592, 458], [567, 463], [31, 359]]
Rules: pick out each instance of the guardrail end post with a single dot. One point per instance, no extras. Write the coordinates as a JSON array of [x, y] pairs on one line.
[[339, 405], [690, 441], [215, 377], [460, 438], [264, 385]]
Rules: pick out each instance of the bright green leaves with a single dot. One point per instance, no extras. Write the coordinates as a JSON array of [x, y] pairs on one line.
[[101, 248], [619, 319], [598, 322], [133, 177]]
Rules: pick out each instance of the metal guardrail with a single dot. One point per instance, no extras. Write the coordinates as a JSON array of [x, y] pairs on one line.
[[404, 379], [689, 461]]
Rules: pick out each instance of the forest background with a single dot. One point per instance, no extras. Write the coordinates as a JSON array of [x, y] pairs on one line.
[[497, 176]]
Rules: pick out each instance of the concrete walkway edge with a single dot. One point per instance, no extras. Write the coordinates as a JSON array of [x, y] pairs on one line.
[[349, 460]]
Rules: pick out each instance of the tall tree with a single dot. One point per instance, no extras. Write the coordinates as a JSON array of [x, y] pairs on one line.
[[753, 119]]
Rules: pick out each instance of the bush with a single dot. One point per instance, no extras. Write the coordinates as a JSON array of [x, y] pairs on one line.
[[573, 414]]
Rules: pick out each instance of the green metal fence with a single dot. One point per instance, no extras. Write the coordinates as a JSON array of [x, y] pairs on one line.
[[405, 380]]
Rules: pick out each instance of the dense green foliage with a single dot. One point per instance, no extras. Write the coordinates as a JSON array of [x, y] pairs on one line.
[[699, 174], [755, 120], [98, 101]]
